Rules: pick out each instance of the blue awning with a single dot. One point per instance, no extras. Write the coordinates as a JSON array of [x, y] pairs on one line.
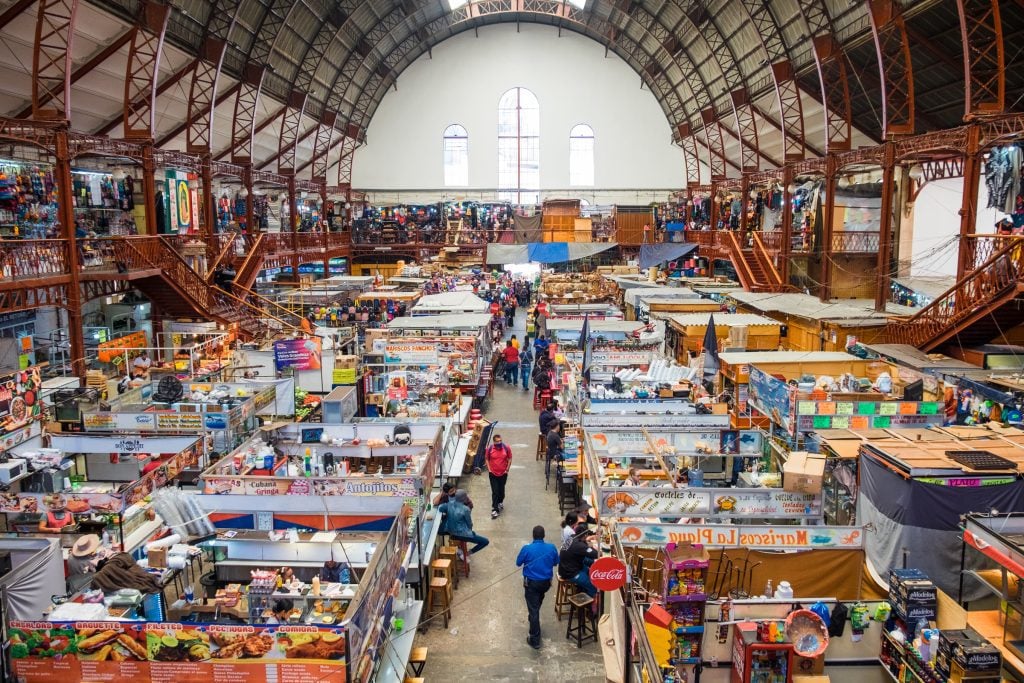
[[653, 254], [544, 252]]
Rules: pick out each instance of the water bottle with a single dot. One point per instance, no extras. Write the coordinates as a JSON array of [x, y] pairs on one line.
[[768, 592]]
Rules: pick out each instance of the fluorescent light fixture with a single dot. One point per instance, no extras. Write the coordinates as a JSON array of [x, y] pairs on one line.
[[456, 4]]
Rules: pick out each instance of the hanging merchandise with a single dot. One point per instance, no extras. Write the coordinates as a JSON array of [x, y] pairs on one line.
[[1002, 178], [28, 201]]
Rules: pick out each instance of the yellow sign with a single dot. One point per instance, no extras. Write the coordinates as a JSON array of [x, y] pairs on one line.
[[343, 376]]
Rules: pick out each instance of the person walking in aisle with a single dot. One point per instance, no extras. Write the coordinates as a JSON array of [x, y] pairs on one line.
[[511, 363], [525, 361], [537, 560], [499, 460], [459, 522]]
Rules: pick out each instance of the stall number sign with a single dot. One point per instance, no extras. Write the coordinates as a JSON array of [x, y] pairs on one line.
[[761, 503]]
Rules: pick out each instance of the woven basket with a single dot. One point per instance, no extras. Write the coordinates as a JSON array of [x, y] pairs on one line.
[[807, 632]]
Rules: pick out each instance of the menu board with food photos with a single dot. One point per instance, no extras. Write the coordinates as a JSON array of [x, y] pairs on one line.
[[177, 653], [19, 399]]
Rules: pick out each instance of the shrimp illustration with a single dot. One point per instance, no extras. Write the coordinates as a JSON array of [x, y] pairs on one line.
[[619, 501], [599, 439], [632, 534]]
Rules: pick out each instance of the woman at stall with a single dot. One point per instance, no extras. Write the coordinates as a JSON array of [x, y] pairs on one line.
[[56, 517], [575, 560]]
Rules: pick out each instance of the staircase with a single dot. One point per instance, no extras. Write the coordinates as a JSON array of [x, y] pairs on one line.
[[245, 276], [977, 309], [754, 267], [181, 292]]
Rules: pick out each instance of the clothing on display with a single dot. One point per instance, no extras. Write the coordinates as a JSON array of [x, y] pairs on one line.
[[1002, 178]]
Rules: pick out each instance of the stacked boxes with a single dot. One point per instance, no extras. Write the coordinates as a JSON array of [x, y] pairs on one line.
[[966, 655], [913, 595]]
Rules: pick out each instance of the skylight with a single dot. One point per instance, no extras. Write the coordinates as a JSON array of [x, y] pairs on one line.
[[455, 4]]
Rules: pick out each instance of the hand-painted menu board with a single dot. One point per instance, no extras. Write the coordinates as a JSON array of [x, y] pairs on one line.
[[642, 501], [866, 414], [176, 653]]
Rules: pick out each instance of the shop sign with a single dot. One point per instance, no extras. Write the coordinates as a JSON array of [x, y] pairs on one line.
[[19, 399], [410, 353], [298, 354], [125, 652], [806, 423], [755, 537], [31, 503], [215, 420], [342, 377], [179, 422], [115, 348], [108, 422], [293, 486], [621, 358], [760, 503], [608, 574], [99, 421]]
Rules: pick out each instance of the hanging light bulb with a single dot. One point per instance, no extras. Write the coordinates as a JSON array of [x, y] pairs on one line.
[[243, 192], [916, 173]]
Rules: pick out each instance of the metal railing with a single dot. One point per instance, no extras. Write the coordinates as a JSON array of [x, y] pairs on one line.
[[855, 242], [23, 259], [991, 279], [979, 248]]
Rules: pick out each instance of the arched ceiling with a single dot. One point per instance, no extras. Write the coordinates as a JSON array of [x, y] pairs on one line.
[[334, 60]]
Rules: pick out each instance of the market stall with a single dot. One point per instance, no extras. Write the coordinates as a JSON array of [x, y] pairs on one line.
[[330, 631], [595, 312], [96, 484], [424, 364], [450, 303], [225, 412], [685, 333]]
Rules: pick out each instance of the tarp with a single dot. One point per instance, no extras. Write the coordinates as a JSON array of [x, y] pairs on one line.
[[922, 520], [450, 302], [653, 254], [544, 252], [527, 228], [37, 572]]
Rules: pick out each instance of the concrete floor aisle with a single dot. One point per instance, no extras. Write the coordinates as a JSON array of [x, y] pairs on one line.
[[486, 639]]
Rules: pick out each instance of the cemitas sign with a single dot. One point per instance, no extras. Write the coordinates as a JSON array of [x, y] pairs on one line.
[[608, 573]]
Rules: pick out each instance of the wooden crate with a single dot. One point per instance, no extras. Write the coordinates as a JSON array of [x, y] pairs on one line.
[[559, 219]]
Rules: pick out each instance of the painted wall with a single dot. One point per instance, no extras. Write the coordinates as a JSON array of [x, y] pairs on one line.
[[574, 83]]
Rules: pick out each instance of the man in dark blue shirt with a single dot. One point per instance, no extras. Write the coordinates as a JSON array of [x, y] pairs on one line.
[[537, 560]]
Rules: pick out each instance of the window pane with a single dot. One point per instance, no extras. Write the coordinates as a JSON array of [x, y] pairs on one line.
[[455, 153], [519, 146]]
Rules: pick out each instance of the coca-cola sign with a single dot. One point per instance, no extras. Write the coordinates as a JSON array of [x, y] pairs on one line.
[[608, 573]]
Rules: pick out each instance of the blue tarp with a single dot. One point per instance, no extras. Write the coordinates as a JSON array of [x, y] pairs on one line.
[[653, 254], [544, 252]]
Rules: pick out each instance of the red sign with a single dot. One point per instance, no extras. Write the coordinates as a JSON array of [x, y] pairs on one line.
[[495, 308], [608, 574]]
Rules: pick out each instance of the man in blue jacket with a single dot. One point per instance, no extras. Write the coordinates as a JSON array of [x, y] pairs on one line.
[[459, 521], [537, 560]]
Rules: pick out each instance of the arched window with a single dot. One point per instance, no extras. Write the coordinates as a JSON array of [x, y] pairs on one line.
[[519, 147], [456, 156], [581, 155]]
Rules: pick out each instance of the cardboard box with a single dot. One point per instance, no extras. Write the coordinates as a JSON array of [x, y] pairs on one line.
[[803, 472], [917, 592], [374, 334], [157, 557], [816, 678], [977, 656], [807, 667], [346, 362], [914, 612]]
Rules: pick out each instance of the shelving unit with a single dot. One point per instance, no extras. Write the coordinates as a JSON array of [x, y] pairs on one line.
[[757, 662], [684, 580]]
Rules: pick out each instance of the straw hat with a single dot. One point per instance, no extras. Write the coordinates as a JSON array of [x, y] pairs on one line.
[[86, 546]]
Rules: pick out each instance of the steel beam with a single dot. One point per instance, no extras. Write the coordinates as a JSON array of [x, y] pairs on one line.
[[828, 208], [981, 33], [322, 145], [277, 155], [835, 93], [202, 91], [713, 139], [199, 115], [247, 140], [244, 120], [895, 70], [65, 188], [143, 71], [690, 159], [83, 69], [774, 124], [51, 59], [792, 111], [886, 226], [746, 133], [290, 132], [165, 85], [14, 11], [969, 201]]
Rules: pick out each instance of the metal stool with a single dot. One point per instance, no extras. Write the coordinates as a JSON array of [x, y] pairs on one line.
[[582, 622], [566, 589], [542, 447], [568, 495], [439, 592], [448, 552]]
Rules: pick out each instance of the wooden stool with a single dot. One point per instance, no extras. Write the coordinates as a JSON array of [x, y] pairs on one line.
[[448, 552], [566, 589], [582, 623], [411, 679], [442, 569], [417, 660], [439, 592], [462, 564], [541, 397], [542, 447]]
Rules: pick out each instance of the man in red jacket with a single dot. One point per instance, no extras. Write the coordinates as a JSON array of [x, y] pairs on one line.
[[499, 460]]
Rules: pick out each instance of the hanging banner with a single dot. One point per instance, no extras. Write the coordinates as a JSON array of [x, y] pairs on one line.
[[772, 397], [761, 503], [410, 353], [813, 415], [298, 354], [737, 536]]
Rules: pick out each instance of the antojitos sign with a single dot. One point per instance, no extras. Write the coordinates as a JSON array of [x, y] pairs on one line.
[[608, 574]]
